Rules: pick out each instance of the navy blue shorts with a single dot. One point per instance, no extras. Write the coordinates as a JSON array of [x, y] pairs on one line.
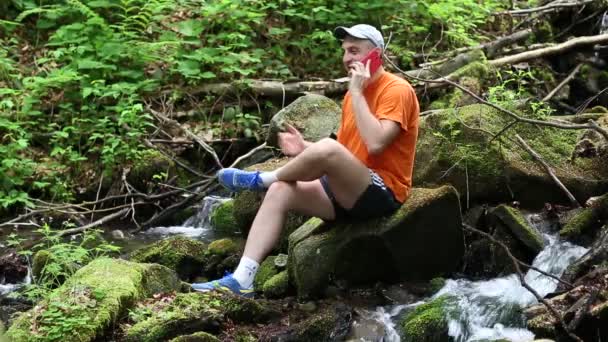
[[377, 200]]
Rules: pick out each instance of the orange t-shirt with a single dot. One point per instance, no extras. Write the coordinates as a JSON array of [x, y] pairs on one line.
[[389, 98]]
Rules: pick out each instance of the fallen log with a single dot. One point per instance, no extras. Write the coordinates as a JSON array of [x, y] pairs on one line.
[[551, 50]]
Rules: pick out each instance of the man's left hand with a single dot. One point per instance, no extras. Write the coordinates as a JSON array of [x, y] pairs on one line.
[[359, 74]]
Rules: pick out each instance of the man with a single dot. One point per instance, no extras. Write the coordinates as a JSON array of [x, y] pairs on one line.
[[366, 173]]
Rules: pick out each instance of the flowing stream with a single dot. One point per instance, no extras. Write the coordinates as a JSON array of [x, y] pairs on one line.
[[484, 310]]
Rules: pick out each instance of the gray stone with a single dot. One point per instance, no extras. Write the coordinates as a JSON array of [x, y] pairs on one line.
[[420, 241], [315, 116]]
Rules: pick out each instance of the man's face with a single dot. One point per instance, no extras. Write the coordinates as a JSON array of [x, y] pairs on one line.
[[354, 50]]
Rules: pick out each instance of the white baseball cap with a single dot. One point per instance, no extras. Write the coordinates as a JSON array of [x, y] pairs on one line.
[[361, 31]]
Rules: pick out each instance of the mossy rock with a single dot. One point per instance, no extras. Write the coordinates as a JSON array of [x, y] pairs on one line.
[[267, 270], [91, 300], [183, 255], [222, 217], [457, 140], [315, 116], [151, 163], [41, 258], [222, 247], [328, 324], [277, 286], [513, 219], [320, 251], [200, 336], [427, 322], [584, 225], [193, 312]]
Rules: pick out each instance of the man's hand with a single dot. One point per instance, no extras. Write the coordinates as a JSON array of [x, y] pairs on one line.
[[359, 75], [291, 142]]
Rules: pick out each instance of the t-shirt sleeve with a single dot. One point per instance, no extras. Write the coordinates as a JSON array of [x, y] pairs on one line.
[[394, 104]]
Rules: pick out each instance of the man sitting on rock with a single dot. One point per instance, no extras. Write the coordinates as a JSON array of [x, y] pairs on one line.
[[366, 173]]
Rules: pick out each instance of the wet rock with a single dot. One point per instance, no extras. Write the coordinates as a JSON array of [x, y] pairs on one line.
[[427, 322], [517, 224], [266, 271], [597, 255], [420, 241], [583, 227], [587, 299], [183, 255], [118, 234], [10, 306], [315, 116], [277, 286], [222, 247], [13, 268], [95, 295], [193, 312], [281, 261], [222, 217], [330, 324]]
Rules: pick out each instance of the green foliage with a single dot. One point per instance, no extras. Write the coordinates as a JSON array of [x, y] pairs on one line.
[[74, 75], [62, 259]]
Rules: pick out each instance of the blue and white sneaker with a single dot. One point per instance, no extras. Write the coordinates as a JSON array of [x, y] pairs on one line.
[[228, 283], [237, 180]]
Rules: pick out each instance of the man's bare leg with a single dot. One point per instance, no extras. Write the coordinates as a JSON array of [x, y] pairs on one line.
[[347, 176], [307, 198], [297, 189]]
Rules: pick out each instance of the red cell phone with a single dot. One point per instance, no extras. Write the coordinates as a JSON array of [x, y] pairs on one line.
[[375, 60]]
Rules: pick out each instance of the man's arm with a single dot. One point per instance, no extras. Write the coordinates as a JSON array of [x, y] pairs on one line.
[[377, 134]]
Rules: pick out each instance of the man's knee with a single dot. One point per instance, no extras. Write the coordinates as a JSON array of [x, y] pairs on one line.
[[279, 191], [329, 148]]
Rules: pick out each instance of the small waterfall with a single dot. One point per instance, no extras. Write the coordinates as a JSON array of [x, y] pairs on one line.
[[197, 226], [202, 219], [8, 288], [489, 309]]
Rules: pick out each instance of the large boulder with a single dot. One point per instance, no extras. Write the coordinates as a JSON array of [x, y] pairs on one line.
[[421, 240], [456, 146], [91, 300], [315, 116]]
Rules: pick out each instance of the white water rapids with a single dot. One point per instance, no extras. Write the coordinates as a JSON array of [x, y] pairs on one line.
[[490, 309]]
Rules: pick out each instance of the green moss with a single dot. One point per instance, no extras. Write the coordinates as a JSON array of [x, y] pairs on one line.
[[266, 271], [316, 328], [150, 163], [179, 253], [436, 284], [517, 224], [88, 302], [586, 220], [246, 206], [543, 32], [196, 337], [222, 247], [427, 322], [222, 218], [197, 312], [277, 286], [480, 70], [39, 261]]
